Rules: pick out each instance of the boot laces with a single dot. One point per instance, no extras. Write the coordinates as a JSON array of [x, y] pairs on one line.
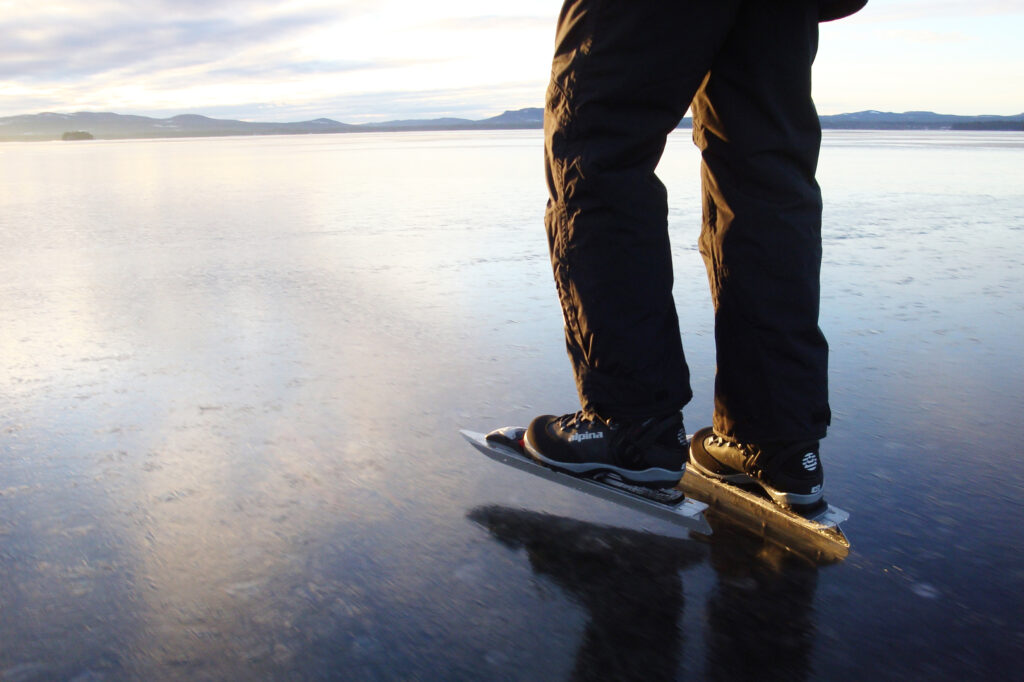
[[753, 456], [576, 419]]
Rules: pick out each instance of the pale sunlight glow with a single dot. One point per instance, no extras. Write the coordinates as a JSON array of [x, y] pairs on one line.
[[364, 60]]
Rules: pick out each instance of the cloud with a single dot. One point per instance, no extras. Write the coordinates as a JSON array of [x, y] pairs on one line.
[[147, 56], [71, 47], [496, 23], [360, 59], [290, 69]]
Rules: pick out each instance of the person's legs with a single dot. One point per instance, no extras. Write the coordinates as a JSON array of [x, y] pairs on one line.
[[623, 76], [759, 134]]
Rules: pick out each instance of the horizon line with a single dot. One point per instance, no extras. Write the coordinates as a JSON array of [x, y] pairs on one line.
[[457, 118]]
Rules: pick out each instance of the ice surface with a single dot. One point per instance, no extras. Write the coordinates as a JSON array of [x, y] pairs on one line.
[[234, 370]]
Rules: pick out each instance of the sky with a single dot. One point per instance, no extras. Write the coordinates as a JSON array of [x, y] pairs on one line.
[[359, 61]]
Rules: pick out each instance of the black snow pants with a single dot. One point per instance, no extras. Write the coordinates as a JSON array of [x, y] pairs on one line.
[[624, 73]]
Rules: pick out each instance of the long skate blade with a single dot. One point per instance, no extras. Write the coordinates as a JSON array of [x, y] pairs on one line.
[[669, 504], [817, 537]]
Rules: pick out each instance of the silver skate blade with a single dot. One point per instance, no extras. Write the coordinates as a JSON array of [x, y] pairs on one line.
[[502, 446], [816, 537]]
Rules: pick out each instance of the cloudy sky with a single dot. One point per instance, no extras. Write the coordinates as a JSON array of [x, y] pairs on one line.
[[365, 60]]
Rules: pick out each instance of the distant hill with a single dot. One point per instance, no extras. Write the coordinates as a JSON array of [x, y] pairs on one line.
[[521, 118], [51, 126], [421, 123], [920, 120]]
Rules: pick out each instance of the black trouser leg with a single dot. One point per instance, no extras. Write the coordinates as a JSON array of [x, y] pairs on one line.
[[623, 75], [759, 135]]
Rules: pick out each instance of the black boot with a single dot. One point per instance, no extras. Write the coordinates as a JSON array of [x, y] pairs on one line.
[[649, 452], [789, 472]]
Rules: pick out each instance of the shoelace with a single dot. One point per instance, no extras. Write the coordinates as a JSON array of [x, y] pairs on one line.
[[752, 456], [569, 420], [757, 462]]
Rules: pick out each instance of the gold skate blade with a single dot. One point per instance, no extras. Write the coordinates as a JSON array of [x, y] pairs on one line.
[[816, 537]]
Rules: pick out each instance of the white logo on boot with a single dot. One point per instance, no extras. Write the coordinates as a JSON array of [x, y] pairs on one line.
[[810, 461], [585, 436]]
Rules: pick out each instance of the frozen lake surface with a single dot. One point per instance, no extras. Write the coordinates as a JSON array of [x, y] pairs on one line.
[[232, 373]]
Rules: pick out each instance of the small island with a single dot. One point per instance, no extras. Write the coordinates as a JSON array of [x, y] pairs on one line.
[[77, 135]]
